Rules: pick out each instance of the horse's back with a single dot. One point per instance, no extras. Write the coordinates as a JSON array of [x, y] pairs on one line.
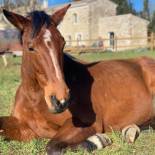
[[121, 94], [148, 70]]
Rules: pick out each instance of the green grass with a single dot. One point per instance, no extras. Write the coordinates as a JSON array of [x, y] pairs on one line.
[[115, 55], [9, 81]]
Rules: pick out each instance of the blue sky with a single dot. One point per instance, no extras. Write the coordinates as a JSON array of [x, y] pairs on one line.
[[138, 4], [56, 2]]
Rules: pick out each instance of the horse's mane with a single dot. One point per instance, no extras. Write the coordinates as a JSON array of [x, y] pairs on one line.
[[69, 59], [39, 19]]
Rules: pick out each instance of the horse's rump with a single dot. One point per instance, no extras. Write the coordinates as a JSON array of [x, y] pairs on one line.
[[148, 70]]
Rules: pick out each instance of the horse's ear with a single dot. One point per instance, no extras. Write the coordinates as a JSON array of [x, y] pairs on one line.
[[58, 16], [17, 20]]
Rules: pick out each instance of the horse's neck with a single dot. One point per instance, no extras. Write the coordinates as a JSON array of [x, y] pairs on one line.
[[72, 68], [70, 65], [77, 72], [28, 76]]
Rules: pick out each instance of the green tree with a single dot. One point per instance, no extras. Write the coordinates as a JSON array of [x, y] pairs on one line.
[[11, 4], [146, 10], [131, 8], [152, 23], [124, 7]]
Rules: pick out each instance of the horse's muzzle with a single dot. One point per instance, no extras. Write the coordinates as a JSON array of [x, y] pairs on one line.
[[59, 106]]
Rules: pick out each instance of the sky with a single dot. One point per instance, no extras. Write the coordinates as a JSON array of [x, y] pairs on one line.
[[56, 2], [138, 4]]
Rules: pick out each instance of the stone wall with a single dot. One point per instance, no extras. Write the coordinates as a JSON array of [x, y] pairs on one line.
[[96, 19], [139, 29], [124, 27], [73, 29], [98, 9], [88, 14]]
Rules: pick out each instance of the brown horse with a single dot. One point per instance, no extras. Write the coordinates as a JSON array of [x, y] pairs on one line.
[[98, 96]]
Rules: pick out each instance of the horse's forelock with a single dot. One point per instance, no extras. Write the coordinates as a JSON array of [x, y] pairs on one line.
[[39, 19]]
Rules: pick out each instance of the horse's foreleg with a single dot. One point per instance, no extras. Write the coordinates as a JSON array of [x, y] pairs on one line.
[[11, 128], [130, 133], [73, 137]]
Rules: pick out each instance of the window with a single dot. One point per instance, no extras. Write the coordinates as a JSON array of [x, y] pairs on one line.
[[111, 38], [75, 18], [79, 39], [69, 40]]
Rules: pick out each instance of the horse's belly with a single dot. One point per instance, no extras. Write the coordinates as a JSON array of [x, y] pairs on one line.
[[120, 104]]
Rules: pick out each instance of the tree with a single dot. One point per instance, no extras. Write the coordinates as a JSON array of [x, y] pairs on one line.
[[32, 4], [124, 7], [146, 11], [11, 4], [7, 4], [152, 23], [131, 8]]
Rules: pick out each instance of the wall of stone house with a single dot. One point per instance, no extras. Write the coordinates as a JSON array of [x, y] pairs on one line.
[[69, 28], [98, 9], [119, 25], [139, 28], [124, 27], [88, 18]]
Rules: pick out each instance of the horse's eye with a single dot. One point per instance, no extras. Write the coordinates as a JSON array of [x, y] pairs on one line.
[[31, 49]]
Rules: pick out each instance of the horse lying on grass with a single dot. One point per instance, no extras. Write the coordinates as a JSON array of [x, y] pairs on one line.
[[66, 100]]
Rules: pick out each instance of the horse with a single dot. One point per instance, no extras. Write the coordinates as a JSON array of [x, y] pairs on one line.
[[67, 100]]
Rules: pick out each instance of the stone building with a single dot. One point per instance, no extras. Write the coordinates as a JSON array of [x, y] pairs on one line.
[[81, 20], [95, 23], [128, 30], [90, 20]]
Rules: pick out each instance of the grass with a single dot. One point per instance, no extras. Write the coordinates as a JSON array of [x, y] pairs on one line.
[[9, 81], [113, 55]]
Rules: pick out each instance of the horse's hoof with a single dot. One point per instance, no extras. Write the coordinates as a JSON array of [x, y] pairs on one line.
[[1, 132], [55, 148], [52, 151], [130, 133], [98, 141]]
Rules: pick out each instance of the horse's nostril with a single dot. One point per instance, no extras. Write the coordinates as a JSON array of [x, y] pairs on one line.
[[53, 97], [59, 105], [54, 101]]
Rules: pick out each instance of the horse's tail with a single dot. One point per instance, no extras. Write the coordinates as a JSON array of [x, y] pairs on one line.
[[12, 129], [148, 72]]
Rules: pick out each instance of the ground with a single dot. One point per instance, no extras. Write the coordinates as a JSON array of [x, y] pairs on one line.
[[10, 79]]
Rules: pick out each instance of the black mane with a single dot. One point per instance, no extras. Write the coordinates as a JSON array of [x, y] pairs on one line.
[[39, 19]]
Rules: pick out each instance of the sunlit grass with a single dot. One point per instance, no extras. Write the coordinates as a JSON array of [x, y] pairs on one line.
[[9, 81]]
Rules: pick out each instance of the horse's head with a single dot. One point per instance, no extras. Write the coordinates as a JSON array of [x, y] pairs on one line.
[[43, 53]]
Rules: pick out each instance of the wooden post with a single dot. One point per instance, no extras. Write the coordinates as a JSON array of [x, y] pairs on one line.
[[4, 60], [152, 41], [115, 44]]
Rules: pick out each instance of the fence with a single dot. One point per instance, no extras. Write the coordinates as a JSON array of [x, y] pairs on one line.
[[113, 44]]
